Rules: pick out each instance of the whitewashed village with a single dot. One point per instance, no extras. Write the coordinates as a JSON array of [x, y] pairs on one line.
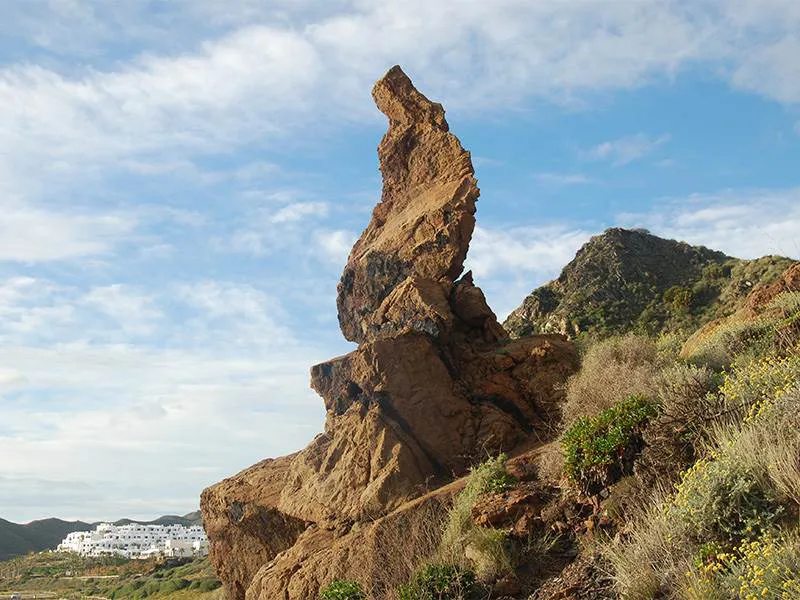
[[138, 541]]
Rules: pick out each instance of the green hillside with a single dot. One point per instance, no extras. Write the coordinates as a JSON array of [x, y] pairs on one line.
[[630, 280], [16, 539]]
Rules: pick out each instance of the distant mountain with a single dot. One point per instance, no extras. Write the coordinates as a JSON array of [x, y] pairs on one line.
[[629, 279], [46, 534], [35, 536], [192, 518]]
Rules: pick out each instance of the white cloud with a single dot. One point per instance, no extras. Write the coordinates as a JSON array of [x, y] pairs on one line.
[[299, 211], [133, 310], [334, 246], [37, 234], [270, 230], [627, 149], [562, 179], [510, 262], [746, 224], [208, 387], [262, 79]]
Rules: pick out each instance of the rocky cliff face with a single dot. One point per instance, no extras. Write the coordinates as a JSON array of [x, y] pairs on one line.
[[434, 385], [627, 280]]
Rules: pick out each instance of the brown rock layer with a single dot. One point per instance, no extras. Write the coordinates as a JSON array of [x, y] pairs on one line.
[[434, 385]]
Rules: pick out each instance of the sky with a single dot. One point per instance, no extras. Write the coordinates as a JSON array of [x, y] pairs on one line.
[[181, 182]]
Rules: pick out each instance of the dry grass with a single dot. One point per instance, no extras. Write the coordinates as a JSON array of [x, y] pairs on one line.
[[612, 370], [550, 463], [654, 555], [749, 481], [484, 549], [402, 544]]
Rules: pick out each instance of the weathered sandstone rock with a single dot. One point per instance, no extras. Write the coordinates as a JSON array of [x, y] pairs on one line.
[[434, 386], [420, 230]]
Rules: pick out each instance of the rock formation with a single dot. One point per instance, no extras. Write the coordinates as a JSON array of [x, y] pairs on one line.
[[434, 386]]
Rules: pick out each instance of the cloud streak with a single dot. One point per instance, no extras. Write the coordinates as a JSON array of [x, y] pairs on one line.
[[626, 150]]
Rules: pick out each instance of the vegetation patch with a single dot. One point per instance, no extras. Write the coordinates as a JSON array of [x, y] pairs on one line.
[[342, 589], [440, 582], [482, 549], [600, 449], [611, 371], [768, 567]]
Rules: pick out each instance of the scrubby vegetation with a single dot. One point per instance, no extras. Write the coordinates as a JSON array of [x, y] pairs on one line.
[[729, 527], [676, 475], [612, 370], [600, 449], [74, 577], [342, 589], [440, 582]]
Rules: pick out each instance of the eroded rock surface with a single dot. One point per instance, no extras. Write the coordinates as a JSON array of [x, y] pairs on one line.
[[434, 386]]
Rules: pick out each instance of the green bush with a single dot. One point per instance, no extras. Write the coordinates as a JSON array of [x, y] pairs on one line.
[[205, 585], [440, 582], [679, 299], [342, 589], [599, 450]]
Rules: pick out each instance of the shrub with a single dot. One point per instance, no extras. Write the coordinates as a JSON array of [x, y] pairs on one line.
[[599, 450], [733, 338], [440, 582], [786, 310], [750, 388], [611, 371], [742, 338], [205, 585], [736, 494], [342, 589], [689, 403], [653, 556], [488, 548], [724, 500], [768, 567], [679, 299]]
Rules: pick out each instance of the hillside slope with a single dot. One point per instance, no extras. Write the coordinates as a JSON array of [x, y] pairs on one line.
[[16, 539], [631, 280]]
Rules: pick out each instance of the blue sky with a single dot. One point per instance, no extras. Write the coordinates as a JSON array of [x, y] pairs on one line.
[[180, 183]]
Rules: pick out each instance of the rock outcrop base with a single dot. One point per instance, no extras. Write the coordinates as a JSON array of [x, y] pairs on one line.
[[434, 386]]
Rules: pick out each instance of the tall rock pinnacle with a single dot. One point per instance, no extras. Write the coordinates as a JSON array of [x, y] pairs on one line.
[[424, 221], [434, 385]]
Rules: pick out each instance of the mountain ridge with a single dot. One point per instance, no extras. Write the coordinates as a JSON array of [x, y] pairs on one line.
[[631, 280]]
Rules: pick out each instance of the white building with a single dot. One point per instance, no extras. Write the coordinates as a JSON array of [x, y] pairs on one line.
[[138, 541]]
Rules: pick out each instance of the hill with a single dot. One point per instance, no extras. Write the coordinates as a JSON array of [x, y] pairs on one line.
[[45, 534], [16, 539], [630, 280]]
